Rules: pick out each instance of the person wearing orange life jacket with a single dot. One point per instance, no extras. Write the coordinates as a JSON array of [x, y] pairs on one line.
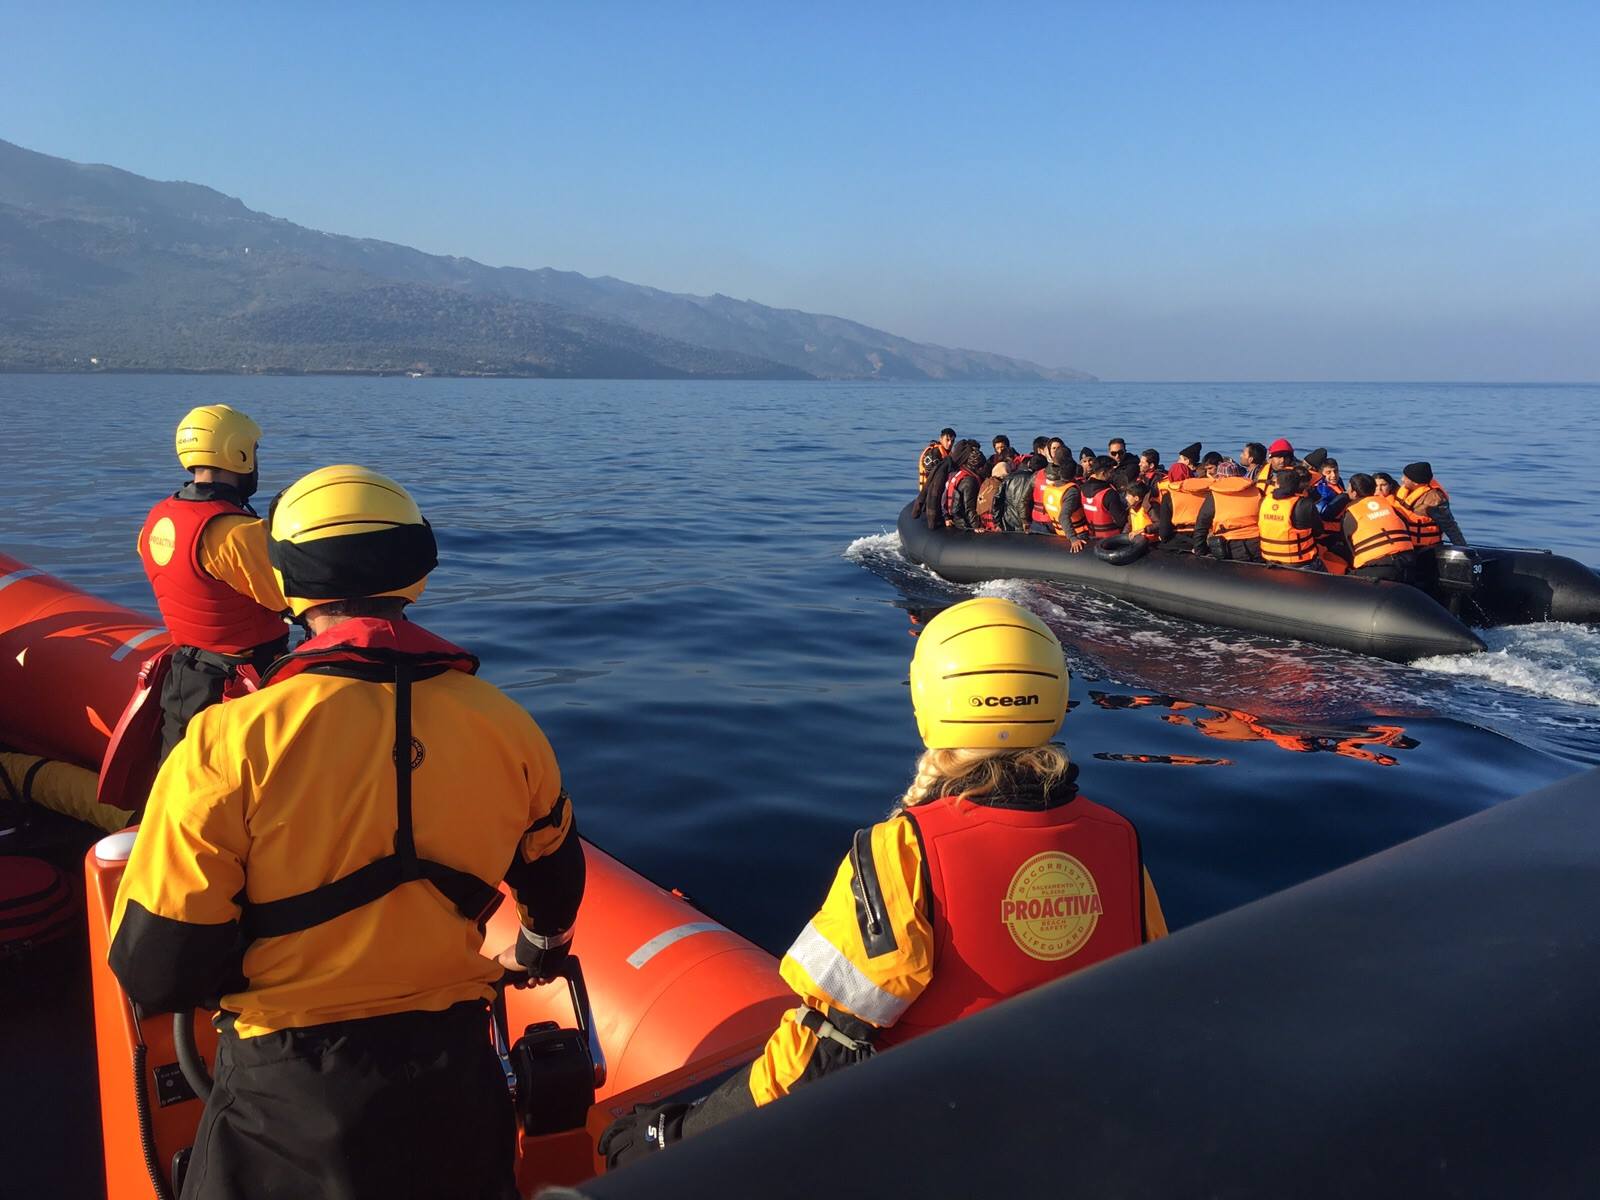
[[1226, 525], [1424, 504], [993, 875], [204, 550], [1140, 502], [934, 453], [316, 861], [1287, 523], [1379, 538], [1056, 507], [1176, 511], [1103, 507], [961, 483]]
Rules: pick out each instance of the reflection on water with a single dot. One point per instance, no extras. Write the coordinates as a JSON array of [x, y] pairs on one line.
[[1165, 760], [1236, 725]]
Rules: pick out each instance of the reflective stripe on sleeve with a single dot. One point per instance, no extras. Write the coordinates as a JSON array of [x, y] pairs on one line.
[[843, 981]]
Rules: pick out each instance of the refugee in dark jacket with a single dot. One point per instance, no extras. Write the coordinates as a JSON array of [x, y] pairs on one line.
[[930, 504], [1016, 501], [965, 474]]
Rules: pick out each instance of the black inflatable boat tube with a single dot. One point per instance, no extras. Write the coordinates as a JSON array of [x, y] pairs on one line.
[[1518, 586], [1388, 620], [1421, 1023]]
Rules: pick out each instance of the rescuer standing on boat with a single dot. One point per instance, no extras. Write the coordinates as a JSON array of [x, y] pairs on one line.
[[992, 876], [205, 553], [317, 859]]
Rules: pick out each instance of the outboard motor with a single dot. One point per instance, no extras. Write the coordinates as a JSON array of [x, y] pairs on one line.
[[551, 1072], [1459, 571]]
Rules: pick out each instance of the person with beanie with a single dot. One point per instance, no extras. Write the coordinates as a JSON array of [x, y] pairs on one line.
[[1425, 506], [1183, 469]]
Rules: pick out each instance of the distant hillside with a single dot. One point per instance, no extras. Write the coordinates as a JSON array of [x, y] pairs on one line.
[[97, 263]]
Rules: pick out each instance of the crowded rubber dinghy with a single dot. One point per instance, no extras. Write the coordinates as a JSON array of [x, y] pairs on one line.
[[1272, 542]]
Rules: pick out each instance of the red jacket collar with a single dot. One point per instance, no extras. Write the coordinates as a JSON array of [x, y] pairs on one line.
[[373, 640]]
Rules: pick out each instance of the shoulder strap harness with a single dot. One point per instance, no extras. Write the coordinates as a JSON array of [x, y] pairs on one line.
[[471, 896]]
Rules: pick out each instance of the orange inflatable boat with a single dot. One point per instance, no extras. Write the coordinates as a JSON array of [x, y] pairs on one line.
[[674, 1000]]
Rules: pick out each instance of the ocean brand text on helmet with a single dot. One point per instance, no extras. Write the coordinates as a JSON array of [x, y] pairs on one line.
[[1004, 701]]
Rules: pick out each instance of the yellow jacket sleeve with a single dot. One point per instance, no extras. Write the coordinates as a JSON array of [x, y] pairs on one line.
[[548, 874], [233, 550], [1155, 921], [860, 962], [174, 926]]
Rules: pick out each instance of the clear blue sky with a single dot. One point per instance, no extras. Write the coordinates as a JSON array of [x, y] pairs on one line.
[[1146, 190]]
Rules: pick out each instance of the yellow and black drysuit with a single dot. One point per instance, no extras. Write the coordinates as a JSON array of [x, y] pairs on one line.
[[878, 963], [316, 861]]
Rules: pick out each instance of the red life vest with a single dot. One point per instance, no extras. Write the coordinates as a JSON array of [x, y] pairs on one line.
[[1020, 898], [1101, 526], [198, 610], [1038, 513], [366, 639], [956, 477]]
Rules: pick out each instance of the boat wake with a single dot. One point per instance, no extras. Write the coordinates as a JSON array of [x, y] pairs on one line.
[[1539, 684], [1552, 660]]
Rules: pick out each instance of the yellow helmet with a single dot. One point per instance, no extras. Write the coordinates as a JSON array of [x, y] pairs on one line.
[[215, 435], [346, 531], [988, 674]]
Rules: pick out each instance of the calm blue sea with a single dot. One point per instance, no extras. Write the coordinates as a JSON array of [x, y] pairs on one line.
[[691, 586]]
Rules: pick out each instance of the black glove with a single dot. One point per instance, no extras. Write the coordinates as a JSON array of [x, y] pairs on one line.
[[645, 1130], [542, 962]]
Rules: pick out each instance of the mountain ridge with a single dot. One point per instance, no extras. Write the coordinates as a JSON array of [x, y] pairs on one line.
[[97, 262]]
